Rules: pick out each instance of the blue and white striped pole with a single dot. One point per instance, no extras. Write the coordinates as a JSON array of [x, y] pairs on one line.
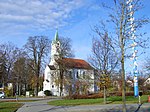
[[133, 45]]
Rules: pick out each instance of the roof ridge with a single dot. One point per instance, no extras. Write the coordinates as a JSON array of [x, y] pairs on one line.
[[74, 58]]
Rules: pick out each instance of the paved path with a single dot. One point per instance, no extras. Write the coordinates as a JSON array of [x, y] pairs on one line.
[[42, 106]]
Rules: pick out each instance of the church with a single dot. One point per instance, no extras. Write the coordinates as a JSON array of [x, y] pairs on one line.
[[67, 76]]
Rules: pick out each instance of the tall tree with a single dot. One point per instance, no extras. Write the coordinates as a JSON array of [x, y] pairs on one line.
[[103, 58], [2, 69], [37, 48], [65, 52], [9, 54], [21, 75], [120, 17], [66, 47]]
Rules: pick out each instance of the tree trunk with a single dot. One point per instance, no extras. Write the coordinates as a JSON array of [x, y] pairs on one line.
[[70, 90], [122, 44], [123, 88], [37, 89], [123, 74], [61, 82], [19, 89], [105, 95]]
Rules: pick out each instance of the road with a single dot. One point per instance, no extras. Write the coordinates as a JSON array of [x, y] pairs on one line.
[[42, 106]]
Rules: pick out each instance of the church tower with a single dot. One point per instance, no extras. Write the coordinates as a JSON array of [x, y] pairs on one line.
[[51, 67], [55, 49]]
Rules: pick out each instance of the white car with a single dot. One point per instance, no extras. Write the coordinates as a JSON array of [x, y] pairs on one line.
[[2, 94]]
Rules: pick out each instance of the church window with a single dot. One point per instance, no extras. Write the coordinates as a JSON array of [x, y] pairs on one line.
[[47, 80], [70, 74], [52, 86], [83, 74], [57, 44], [77, 75]]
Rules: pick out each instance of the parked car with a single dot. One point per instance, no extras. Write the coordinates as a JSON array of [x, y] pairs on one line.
[[2, 94]]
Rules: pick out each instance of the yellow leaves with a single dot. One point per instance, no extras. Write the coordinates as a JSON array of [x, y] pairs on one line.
[[104, 81]]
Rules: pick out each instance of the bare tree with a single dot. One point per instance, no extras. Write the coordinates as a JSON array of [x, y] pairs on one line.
[[65, 52], [9, 54], [66, 47], [37, 48], [147, 66], [103, 59], [2, 69], [122, 40], [21, 75]]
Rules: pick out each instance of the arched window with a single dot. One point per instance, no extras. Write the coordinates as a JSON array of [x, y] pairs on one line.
[[77, 75], [83, 74]]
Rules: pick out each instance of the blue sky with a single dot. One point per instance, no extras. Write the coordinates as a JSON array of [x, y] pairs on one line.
[[20, 19]]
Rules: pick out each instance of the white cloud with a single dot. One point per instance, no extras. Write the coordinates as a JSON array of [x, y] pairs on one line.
[[38, 14]]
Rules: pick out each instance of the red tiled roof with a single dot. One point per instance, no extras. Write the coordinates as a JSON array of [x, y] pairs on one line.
[[76, 63]]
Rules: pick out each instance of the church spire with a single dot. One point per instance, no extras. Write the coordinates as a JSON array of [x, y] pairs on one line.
[[56, 35]]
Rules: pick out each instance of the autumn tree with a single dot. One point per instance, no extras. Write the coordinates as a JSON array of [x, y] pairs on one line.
[[9, 54], [65, 52], [125, 32], [2, 69], [103, 59], [22, 73], [37, 48]]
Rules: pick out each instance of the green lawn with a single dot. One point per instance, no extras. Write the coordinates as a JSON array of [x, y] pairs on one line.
[[9, 106], [110, 100], [75, 102]]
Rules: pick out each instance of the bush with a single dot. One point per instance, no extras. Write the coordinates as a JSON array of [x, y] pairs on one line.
[[120, 93], [85, 96], [8, 92], [48, 93]]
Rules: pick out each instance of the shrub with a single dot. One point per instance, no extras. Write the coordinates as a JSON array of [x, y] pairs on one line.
[[129, 93], [48, 93], [8, 92], [85, 96], [120, 93]]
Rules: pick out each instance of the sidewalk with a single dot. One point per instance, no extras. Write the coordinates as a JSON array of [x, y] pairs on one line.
[[42, 106]]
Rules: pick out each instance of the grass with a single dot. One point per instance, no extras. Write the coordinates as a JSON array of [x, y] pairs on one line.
[[68, 102], [9, 106], [129, 99], [110, 100], [19, 101], [12, 105]]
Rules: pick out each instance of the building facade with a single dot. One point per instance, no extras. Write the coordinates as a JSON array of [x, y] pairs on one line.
[[66, 76]]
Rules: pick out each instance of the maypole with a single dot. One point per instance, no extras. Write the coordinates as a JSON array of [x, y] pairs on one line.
[[133, 45]]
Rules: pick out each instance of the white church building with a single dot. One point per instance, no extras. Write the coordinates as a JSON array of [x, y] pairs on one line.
[[77, 75]]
